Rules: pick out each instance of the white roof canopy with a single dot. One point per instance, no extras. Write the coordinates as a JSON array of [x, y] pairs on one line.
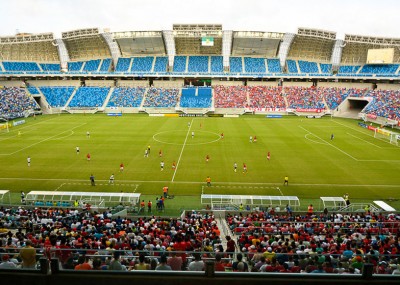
[[332, 202], [212, 199]]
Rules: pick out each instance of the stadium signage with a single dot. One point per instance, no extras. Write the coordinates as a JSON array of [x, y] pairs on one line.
[[191, 115], [17, 123], [215, 115], [114, 114], [309, 110], [273, 116], [372, 116]]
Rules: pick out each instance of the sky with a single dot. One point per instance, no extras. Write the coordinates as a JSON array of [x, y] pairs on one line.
[[360, 17]]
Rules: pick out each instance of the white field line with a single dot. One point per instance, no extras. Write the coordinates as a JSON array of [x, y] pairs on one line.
[[342, 151], [86, 181], [314, 141], [29, 126], [280, 191], [183, 147], [364, 140], [49, 138], [10, 137], [354, 129]]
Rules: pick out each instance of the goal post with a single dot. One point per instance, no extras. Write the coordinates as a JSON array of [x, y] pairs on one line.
[[383, 134]]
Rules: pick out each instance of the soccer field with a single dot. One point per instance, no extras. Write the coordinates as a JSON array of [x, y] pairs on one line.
[[353, 162]]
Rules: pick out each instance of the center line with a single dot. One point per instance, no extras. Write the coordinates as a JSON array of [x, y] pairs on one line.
[[183, 147]]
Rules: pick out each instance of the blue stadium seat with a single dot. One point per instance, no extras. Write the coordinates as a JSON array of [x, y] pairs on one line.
[[236, 65], [308, 66], [325, 68], [180, 64], [193, 97], [21, 66], [142, 64], [380, 69], [161, 97], [123, 64], [33, 90], [274, 65], [89, 97], [291, 65], [75, 66], [254, 65], [105, 65], [349, 69], [50, 66], [57, 96], [198, 63], [161, 64], [217, 65], [14, 102], [92, 65], [126, 97]]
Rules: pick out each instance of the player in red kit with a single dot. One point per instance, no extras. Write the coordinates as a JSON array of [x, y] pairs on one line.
[[244, 167], [207, 158], [268, 155]]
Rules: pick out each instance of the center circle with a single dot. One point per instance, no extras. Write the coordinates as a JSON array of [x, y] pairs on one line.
[[178, 137]]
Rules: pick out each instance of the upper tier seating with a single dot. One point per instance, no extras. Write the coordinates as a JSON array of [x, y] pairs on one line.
[[380, 68], [51, 67], [274, 65], [326, 67], [123, 64], [126, 97], [217, 65], [180, 64], [198, 63], [196, 97], [292, 66], [105, 65], [161, 64], [142, 64], [92, 65], [308, 66], [33, 90], [89, 97], [236, 65], [346, 69], [254, 65], [21, 66], [75, 66], [230, 96], [161, 97], [14, 102], [57, 96]]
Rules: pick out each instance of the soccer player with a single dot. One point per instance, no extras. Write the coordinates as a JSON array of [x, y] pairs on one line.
[[22, 197], [148, 148], [160, 153], [77, 150], [286, 181], [235, 167], [121, 167], [192, 135], [188, 124], [347, 199], [146, 153], [332, 136], [162, 165], [149, 204], [92, 180], [29, 161], [244, 167], [251, 139], [208, 181], [207, 158], [111, 181], [255, 139], [19, 133], [88, 157], [222, 135], [173, 165], [268, 156], [165, 191], [88, 134]]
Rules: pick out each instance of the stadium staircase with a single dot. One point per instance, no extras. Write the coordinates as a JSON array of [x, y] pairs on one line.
[[44, 105], [107, 98], [69, 99], [223, 227], [144, 98], [358, 207]]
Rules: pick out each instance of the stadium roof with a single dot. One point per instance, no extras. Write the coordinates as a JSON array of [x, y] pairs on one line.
[[140, 43], [265, 44]]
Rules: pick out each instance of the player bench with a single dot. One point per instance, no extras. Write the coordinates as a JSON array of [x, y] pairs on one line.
[[384, 206]]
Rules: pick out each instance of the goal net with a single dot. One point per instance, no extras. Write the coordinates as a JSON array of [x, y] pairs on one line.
[[4, 127], [387, 135]]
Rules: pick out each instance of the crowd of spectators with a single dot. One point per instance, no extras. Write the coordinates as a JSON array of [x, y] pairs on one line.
[[386, 103], [14, 102], [126, 97], [230, 96], [303, 97], [161, 97], [266, 97]]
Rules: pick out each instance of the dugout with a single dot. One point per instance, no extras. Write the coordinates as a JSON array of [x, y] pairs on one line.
[[232, 202], [5, 194], [66, 199], [332, 203]]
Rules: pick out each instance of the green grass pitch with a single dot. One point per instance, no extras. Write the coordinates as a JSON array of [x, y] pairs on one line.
[[353, 162]]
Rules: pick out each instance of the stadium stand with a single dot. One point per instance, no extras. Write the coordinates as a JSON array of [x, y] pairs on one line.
[[349, 69], [142, 64], [386, 104], [217, 64], [325, 68], [274, 65], [127, 97], [123, 64], [236, 65], [89, 97], [91, 65], [230, 96], [50, 67], [21, 66], [254, 65], [381, 69], [303, 98], [105, 65], [75, 66], [198, 64], [33, 90], [266, 97], [180, 64], [57, 96], [308, 67], [14, 103], [196, 97], [161, 97], [292, 66], [161, 64]]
